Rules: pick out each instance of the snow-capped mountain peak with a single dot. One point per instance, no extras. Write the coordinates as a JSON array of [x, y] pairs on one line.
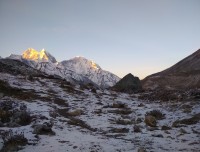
[[78, 68], [91, 70], [83, 62], [42, 56]]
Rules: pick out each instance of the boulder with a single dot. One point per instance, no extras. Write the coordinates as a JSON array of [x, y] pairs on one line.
[[76, 112], [150, 121]]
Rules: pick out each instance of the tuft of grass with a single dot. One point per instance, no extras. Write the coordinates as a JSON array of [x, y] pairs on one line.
[[13, 141], [157, 114], [5, 116], [6, 89], [14, 113]]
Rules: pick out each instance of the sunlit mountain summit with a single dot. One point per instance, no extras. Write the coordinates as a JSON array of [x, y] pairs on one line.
[[43, 55]]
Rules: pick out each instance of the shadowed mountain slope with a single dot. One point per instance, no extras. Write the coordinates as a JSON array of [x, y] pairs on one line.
[[183, 75]]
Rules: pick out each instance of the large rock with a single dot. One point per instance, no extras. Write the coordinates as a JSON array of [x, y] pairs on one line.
[[128, 84], [183, 75], [150, 121]]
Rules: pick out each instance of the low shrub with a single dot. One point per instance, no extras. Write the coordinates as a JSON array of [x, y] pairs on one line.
[[14, 114], [5, 116], [13, 141], [157, 114]]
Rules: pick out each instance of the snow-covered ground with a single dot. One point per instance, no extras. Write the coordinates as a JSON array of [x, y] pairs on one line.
[[97, 128]]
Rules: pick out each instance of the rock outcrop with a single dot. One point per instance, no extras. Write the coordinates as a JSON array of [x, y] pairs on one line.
[[128, 84]]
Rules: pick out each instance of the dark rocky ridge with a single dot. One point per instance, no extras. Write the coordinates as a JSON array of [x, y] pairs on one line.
[[128, 84], [16, 67], [183, 75]]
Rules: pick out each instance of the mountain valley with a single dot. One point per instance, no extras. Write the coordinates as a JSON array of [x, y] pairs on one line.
[[46, 105]]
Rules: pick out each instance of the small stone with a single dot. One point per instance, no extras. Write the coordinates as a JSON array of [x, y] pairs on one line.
[[76, 112], [75, 147], [124, 121], [158, 135]]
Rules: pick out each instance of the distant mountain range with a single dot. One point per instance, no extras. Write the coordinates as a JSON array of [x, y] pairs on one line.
[[183, 75], [78, 69]]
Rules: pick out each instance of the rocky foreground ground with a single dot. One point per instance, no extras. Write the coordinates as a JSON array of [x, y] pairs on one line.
[[43, 114]]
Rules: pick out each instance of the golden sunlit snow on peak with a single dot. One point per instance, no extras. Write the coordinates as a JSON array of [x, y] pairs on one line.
[[94, 65], [32, 54]]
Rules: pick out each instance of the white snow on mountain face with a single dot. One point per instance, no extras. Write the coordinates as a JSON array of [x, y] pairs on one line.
[[78, 68], [91, 70]]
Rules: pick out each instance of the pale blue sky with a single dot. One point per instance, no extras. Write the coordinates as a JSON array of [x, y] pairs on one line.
[[123, 36]]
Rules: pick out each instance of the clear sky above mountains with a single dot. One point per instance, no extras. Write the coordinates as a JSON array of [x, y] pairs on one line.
[[122, 36]]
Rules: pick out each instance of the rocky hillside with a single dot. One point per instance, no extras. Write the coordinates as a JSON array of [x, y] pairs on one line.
[[183, 75]]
